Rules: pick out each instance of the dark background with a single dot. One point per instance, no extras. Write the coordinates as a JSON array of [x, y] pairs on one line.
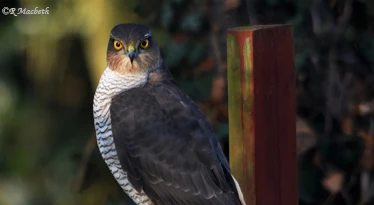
[[50, 66]]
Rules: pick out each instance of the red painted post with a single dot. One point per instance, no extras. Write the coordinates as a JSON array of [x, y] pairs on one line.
[[262, 113]]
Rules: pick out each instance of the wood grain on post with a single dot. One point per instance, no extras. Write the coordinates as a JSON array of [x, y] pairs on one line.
[[262, 113]]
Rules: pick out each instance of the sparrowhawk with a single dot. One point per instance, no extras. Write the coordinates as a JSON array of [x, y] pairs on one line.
[[155, 140]]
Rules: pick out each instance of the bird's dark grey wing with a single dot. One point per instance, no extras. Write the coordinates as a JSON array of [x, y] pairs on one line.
[[168, 148]]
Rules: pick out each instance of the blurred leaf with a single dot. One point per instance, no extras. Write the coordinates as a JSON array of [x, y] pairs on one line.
[[301, 59], [9, 41], [174, 52], [199, 89], [221, 130], [334, 182], [197, 52], [310, 176], [167, 14], [162, 36], [13, 192], [192, 22]]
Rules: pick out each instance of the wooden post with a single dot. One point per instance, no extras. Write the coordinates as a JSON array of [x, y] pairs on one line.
[[262, 113]]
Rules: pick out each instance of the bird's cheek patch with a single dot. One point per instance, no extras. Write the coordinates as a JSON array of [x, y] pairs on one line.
[[148, 60], [114, 61]]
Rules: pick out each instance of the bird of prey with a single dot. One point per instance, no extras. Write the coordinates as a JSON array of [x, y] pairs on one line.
[[155, 140]]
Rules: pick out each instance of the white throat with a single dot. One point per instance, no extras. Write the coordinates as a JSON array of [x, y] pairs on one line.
[[113, 83]]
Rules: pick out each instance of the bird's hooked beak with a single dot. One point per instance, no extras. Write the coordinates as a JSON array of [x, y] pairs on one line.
[[131, 52]]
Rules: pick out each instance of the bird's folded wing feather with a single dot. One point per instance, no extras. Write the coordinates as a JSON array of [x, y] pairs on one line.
[[168, 149]]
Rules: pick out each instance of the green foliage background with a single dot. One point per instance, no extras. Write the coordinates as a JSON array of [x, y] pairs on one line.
[[50, 66]]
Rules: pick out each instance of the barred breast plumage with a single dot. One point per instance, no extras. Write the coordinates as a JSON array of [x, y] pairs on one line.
[[111, 84]]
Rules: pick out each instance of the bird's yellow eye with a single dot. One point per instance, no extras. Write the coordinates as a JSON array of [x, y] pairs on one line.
[[117, 45], [144, 44]]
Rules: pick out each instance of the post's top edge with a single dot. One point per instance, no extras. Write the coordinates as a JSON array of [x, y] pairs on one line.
[[258, 27]]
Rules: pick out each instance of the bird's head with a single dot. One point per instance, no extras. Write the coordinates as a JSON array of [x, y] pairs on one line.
[[132, 49]]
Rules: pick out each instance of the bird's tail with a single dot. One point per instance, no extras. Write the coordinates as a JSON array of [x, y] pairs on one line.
[[241, 198]]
